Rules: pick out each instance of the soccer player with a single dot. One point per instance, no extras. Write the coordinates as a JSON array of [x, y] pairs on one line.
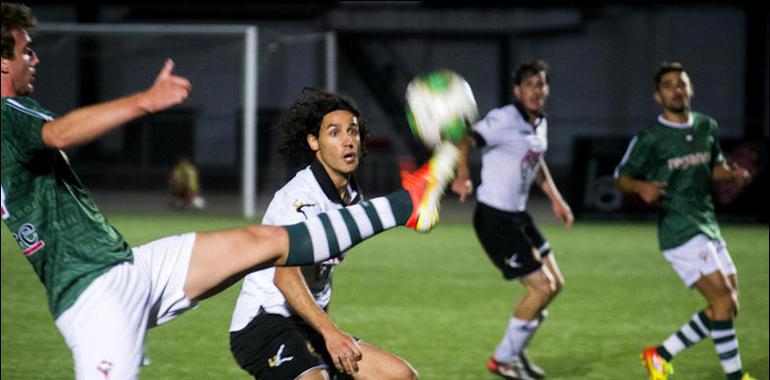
[[673, 163], [281, 312], [513, 144], [104, 295]]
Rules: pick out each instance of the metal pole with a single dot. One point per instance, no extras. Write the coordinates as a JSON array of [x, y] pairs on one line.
[[331, 61], [249, 174]]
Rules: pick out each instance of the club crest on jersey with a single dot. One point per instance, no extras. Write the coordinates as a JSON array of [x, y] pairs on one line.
[[298, 205], [690, 140], [28, 239]]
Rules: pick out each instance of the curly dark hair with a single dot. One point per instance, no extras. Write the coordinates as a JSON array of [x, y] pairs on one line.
[[304, 117], [15, 16]]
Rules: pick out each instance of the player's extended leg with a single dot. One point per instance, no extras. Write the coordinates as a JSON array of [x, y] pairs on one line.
[[718, 291], [377, 363], [221, 258], [541, 286]]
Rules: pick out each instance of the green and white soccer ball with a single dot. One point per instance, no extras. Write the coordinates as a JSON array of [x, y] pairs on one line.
[[440, 107]]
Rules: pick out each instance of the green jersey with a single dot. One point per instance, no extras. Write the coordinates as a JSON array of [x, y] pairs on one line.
[[683, 157], [48, 210]]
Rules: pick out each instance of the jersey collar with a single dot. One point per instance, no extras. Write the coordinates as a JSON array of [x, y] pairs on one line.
[[671, 124], [523, 113], [323, 179]]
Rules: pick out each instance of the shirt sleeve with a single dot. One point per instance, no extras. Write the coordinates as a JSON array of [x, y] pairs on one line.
[[491, 128], [22, 128], [635, 159], [717, 156]]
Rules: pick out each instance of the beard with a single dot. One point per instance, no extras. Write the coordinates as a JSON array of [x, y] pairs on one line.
[[678, 109], [678, 106]]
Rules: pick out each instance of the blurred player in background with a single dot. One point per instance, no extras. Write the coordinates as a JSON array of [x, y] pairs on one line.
[[184, 187], [673, 164], [281, 312], [104, 295], [513, 142]]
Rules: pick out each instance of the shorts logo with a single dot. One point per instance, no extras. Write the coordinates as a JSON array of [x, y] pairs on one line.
[[277, 360], [105, 367], [512, 262]]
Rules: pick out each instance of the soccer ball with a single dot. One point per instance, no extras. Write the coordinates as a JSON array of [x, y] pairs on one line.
[[440, 106]]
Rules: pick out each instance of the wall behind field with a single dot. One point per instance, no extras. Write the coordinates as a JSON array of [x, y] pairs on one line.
[[602, 56]]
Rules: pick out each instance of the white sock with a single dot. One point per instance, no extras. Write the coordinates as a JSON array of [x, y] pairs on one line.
[[516, 337]]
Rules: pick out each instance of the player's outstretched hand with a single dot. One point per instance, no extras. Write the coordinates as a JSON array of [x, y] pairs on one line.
[[740, 175], [167, 91]]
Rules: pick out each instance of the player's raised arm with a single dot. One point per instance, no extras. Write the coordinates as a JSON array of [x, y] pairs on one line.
[[91, 122]]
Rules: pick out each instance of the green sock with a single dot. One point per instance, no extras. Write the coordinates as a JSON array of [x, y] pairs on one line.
[[331, 233]]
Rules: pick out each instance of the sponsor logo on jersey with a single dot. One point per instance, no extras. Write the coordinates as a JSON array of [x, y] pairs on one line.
[[689, 160], [277, 360], [28, 239]]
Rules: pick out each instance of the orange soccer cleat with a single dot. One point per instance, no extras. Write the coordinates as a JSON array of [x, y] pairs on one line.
[[658, 368], [426, 186]]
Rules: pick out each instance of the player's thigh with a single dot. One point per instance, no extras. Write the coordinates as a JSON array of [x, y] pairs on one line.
[[220, 258], [715, 288], [377, 363], [106, 327], [271, 347]]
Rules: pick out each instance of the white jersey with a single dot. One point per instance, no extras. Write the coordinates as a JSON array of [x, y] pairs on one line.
[[510, 157], [309, 193]]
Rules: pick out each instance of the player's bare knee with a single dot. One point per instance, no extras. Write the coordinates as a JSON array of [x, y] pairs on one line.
[[723, 307], [404, 372], [315, 374], [558, 285], [542, 289]]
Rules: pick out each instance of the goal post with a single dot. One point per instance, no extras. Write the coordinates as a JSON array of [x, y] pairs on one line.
[[250, 75]]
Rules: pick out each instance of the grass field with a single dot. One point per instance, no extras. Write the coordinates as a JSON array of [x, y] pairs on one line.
[[437, 301]]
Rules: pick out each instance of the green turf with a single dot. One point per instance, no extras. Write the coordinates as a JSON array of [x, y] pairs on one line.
[[437, 301]]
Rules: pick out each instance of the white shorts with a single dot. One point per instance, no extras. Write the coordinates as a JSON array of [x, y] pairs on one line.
[[700, 256], [106, 327]]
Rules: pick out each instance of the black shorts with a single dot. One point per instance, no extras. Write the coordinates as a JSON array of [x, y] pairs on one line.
[[511, 240], [275, 347]]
